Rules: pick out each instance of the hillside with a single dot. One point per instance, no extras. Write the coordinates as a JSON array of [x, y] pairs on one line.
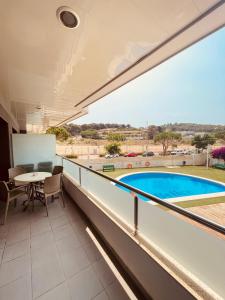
[[194, 127]]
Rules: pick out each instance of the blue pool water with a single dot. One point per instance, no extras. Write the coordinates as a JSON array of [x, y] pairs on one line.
[[170, 185]]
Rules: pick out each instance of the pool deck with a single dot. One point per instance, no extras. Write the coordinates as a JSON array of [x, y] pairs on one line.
[[212, 212]]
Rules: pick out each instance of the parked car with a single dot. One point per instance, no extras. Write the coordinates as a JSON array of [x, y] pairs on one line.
[[148, 153], [179, 152], [111, 155], [131, 154]]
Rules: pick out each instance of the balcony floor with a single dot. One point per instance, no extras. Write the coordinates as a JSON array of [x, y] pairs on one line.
[[52, 257]]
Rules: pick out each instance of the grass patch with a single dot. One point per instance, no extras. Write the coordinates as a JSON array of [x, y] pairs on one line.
[[210, 173], [200, 202]]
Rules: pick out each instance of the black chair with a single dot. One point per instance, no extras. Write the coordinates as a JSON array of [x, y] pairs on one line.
[[45, 166], [27, 167], [57, 170]]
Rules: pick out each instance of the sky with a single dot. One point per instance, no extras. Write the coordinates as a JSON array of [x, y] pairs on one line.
[[188, 88]]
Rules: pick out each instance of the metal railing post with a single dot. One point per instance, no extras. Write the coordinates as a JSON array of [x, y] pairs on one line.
[[80, 176], [135, 215]]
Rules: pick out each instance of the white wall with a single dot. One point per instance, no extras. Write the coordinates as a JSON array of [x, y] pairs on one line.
[[140, 162], [33, 148]]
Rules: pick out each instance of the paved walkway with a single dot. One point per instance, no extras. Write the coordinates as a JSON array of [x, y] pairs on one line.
[[52, 258]]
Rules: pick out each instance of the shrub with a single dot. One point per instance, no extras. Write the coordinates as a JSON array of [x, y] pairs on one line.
[[90, 134], [117, 137], [113, 148], [219, 153]]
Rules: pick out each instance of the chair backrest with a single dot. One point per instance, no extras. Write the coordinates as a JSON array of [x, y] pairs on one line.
[[13, 172], [45, 166], [57, 170], [27, 167], [52, 184], [3, 191]]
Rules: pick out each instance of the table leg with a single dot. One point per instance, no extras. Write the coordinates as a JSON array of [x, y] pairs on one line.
[[27, 202]]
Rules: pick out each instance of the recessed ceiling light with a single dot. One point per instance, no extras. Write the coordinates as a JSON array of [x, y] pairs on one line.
[[67, 17]]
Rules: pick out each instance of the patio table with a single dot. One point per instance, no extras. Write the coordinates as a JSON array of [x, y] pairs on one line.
[[32, 178]]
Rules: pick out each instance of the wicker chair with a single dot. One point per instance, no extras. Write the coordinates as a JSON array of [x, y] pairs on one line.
[[52, 186], [13, 172], [7, 195]]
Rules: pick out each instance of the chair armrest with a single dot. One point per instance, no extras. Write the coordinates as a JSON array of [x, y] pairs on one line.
[[19, 187]]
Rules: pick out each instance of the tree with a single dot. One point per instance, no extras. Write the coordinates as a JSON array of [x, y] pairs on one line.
[[220, 135], [60, 132], [167, 138], [113, 148], [117, 137], [219, 153], [201, 142], [152, 131], [90, 134]]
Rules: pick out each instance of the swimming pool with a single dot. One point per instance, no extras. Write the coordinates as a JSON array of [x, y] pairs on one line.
[[173, 186]]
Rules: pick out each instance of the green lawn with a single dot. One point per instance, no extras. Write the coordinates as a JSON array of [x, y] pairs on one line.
[[210, 173]]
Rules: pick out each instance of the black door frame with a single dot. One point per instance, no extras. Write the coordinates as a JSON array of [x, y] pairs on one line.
[[4, 149]]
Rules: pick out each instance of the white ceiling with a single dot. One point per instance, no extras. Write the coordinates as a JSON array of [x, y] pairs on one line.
[[49, 73]]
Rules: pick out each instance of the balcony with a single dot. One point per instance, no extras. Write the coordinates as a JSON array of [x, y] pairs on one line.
[[122, 246], [106, 243]]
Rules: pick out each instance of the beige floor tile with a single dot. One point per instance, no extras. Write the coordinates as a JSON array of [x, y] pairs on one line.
[[102, 296], [84, 238], [56, 211], [63, 231], [73, 260], [71, 241], [16, 250], [19, 289], [19, 225], [1, 254], [59, 221], [104, 273], [42, 240], [79, 226], [4, 231], [61, 292], [40, 256], [13, 269], [92, 252], [2, 243], [40, 227], [115, 291], [18, 236], [47, 272], [84, 285]]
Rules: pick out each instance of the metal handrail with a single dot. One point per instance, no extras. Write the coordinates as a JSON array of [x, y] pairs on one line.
[[173, 207]]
